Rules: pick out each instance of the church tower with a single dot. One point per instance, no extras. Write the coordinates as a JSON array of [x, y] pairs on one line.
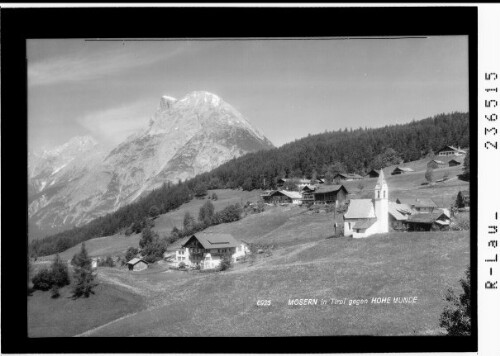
[[381, 202]]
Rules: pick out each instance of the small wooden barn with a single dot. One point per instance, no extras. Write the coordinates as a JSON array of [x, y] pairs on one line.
[[347, 176], [401, 170], [373, 174], [137, 264], [330, 194], [435, 163]]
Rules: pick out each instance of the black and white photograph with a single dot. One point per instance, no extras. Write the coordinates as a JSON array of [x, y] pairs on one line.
[[225, 185], [248, 188]]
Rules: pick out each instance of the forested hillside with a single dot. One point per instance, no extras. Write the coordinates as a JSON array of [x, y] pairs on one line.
[[353, 151]]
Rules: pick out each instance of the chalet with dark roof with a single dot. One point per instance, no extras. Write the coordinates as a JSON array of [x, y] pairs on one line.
[[401, 170], [330, 194], [347, 176], [450, 151], [207, 250]]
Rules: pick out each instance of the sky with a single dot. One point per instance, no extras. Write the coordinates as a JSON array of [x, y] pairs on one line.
[[287, 89]]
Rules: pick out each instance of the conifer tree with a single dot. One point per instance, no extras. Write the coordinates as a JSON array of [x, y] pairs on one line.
[[84, 277]]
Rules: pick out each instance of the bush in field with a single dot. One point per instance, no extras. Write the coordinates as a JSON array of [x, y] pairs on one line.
[[456, 317], [55, 291], [206, 212], [60, 274], [107, 262], [57, 276], [225, 264], [429, 175], [214, 196], [43, 280], [131, 253]]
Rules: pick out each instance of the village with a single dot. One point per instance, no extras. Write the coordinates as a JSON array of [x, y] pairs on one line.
[[351, 217]]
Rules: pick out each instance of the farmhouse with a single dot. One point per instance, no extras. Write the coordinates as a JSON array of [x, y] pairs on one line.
[[207, 250], [308, 193], [401, 170], [450, 151], [455, 162], [137, 264], [372, 174], [420, 205], [436, 164], [366, 217], [428, 222], [330, 194], [398, 214], [347, 176], [282, 197]]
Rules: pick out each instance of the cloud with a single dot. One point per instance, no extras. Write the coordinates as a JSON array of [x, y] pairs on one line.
[[89, 65], [111, 126]]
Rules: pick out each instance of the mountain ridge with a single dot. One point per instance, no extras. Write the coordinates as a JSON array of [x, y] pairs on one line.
[[184, 138]]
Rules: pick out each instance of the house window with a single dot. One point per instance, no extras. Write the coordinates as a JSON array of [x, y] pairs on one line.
[[349, 225]]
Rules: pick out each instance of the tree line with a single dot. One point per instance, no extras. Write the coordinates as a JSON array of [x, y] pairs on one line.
[[322, 155]]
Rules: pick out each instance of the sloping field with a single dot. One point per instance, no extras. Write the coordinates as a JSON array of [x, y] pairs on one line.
[[421, 265], [48, 317], [165, 223], [119, 243]]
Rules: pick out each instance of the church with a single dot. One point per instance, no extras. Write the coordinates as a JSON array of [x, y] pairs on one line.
[[366, 217]]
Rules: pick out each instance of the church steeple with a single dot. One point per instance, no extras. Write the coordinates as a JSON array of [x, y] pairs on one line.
[[381, 203], [381, 191]]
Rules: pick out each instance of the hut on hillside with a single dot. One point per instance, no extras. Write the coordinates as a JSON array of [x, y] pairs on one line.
[[401, 170], [436, 164], [137, 264], [347, 176], [330, 194], [373, 174]]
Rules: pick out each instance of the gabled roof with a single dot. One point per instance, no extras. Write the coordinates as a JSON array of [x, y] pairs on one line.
[[427, 218], [451, 148], [373, 171], [457, 159], [360, 209], [437, 161], [403, 169], [329, 188], [364, 224], [291, 195], [309, 187], [417, 202], [135, 261], [349, 175], [399, 211], [214, 240]]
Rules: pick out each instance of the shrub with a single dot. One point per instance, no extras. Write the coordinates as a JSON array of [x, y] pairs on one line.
[[55, 291], [131, 253], [43, 280], [456, 317], [107, 262], [200, 190], [225, 264], [59, 270], [429, 175], [214, 196]]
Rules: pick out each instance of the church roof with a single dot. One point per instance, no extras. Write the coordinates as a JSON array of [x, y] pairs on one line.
[[360, 209], [364, 224]]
